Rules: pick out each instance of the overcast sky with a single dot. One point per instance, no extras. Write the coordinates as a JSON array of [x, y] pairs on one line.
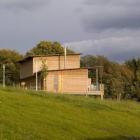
[[99, 27]]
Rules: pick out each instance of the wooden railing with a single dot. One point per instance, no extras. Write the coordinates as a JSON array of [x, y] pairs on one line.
[[94, 90]]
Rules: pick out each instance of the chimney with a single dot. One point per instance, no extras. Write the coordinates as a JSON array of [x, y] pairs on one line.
[[65, 57]]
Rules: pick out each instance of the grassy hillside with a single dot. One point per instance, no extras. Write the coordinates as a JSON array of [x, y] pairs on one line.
[[26, 116]]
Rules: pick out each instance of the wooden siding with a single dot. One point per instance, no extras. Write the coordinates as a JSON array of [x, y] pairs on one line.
[[57, 62], [68, 81], [62, 81]]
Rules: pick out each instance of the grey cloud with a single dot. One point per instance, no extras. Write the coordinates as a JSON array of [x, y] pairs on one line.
[[115, 48], [22, 4], [111, 14], [113, 2], [130, 21], [112, 25]]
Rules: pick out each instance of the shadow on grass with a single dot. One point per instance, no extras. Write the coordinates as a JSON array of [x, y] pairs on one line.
[[115, 138]]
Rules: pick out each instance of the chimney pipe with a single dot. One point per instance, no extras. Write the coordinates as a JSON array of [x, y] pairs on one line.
[[65, 57]]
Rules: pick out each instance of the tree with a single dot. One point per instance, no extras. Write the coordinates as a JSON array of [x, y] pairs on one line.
[[116, 77], [10, 58], [47, 48], [134, 65], [44, 73]]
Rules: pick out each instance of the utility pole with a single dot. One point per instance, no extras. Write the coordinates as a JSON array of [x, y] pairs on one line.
[[36, 75], [3, 75], [97, 79], [102, 71], [99, 73]]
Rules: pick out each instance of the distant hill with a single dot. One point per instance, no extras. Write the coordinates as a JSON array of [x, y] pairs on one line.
[[39, 116]]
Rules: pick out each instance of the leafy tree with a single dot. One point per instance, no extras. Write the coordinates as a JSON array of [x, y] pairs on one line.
[[47, 48], [10, 58], [116, 77], [44, 73], [134, 65]]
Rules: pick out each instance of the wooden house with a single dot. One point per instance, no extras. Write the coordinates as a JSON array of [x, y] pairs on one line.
[[64, 74]]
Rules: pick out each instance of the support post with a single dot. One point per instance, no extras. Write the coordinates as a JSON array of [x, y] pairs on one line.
[[97, 79], [3, 75], [102, 70], [102, 96], [36, 76]]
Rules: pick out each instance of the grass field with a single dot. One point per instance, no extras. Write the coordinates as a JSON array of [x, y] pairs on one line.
[[27, 116]]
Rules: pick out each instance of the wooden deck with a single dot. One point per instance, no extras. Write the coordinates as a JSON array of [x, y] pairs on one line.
[[90, 93], [97, 93]]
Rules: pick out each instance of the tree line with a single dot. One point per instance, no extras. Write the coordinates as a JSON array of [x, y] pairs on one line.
[[120, 80]]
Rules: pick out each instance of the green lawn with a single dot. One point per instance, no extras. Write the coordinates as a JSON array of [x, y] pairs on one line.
[[27, 116]]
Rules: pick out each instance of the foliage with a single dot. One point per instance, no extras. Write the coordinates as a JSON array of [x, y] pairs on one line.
[[10, 59], [44, 73], [134, 65], [116, 77], [47, 48], [44, 70]]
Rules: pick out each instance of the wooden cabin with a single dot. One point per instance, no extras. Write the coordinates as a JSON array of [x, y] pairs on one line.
[[64, 74]]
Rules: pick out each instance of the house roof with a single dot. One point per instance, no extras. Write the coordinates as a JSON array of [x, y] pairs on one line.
[[32, 56]]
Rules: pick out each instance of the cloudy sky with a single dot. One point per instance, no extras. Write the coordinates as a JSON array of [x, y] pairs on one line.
[[99, 27]]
